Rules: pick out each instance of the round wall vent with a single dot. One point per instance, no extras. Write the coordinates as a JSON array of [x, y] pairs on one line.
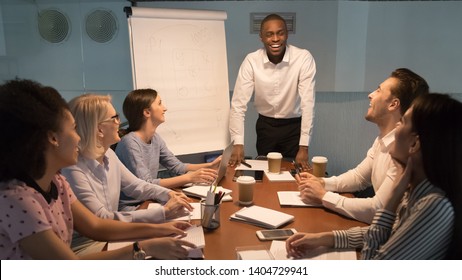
[[101, 26], [53, 25]]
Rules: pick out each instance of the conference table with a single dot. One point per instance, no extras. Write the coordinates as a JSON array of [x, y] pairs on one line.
[[222, 242]]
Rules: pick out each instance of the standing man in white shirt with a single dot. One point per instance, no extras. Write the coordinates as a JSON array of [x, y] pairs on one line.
[[282, 77], [387, 105]]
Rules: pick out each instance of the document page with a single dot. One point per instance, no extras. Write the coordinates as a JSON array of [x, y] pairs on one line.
[[292, 198], [279, 252]]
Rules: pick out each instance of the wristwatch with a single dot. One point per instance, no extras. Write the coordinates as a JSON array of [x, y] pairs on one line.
[[138, 252]]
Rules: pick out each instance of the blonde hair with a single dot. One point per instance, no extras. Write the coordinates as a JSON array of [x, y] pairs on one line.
[[88, 111]]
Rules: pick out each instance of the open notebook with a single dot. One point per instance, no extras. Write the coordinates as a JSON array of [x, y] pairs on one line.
[[278, 252], [292, 198], [261, 216]]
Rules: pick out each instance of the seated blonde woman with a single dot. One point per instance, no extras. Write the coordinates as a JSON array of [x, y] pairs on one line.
[[99, 177]]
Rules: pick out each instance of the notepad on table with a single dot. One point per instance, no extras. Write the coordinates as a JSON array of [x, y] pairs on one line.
[[261, 216], [253, 253], [195, 235], [283, 176], [201, 192], [292, 198], [279, 252]]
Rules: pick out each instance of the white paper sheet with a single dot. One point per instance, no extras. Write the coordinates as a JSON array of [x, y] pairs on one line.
[[279, 252]]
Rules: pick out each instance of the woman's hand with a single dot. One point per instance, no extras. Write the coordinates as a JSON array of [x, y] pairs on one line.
[[401, 184], [311, 188], [298, 244], [167, 248], [177, 202], [171, 228], [216, 163], [202, 176]]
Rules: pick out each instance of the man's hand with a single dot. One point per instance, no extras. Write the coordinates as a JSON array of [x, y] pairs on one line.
[[311, 188], [302, 158], [237, 156]]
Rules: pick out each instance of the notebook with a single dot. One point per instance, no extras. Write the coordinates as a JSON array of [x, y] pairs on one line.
[[196, 236], [201, 192], [292, 198], [261, 216], [279, 252], [284, 176], [253, 253]]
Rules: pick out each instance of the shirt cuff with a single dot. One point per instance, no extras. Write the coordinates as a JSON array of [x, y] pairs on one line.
[[238, 140], [330, 183], [304, 141], [330, 200]]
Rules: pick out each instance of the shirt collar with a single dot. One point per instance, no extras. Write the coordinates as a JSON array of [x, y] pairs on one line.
[[285, 59], [388, 139], [51, 195], [424, 188], [93, 164]]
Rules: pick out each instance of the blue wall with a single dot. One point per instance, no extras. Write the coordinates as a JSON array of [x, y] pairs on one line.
[[356, 45]]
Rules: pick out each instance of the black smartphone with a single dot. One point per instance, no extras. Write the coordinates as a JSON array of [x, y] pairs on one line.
[[257, 174]]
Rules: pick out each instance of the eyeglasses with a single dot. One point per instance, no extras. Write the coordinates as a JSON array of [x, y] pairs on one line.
[[115, 119]]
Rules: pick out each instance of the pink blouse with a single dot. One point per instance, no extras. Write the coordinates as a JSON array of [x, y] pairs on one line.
[[24, 211]]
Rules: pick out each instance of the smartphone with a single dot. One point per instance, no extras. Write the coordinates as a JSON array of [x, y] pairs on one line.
[[257, 174], [272, 234]]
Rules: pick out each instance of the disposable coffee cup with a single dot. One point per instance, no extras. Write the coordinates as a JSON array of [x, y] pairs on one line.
[[246, 185], [319, 166], [274, 162]]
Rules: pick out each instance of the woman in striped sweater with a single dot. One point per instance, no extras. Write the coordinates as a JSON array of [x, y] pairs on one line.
[[422, 218]]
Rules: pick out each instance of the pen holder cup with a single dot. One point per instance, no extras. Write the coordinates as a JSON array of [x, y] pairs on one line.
[[210, 216]]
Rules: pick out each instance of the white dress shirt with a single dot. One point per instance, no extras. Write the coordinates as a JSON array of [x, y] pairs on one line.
[[377, 169], [283, 90]]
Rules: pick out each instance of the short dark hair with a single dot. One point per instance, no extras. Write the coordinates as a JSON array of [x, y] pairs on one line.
[[134, 105], [272, 17], [410, 86], [437, 120], [28, 112]]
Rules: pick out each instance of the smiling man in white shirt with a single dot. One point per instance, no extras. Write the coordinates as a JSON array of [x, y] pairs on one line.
[[282, 77], [387, 104]]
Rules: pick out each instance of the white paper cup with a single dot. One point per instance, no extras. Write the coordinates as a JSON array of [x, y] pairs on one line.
[[274, 162], [246, 185], [319, 166]]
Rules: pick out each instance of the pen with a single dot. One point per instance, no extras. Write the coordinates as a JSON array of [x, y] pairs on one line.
[[297, 168], [246, 164]]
